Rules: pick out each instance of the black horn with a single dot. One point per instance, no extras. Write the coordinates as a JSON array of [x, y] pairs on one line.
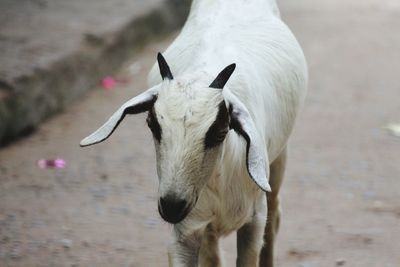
[[164, 68], [223, 77]]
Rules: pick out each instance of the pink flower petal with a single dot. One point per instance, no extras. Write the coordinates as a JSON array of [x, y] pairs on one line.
[[108, 83], [51, 163], [59, 163], [42, 163]]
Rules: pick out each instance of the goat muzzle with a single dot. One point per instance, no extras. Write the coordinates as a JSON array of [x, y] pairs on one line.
[[172, 209]]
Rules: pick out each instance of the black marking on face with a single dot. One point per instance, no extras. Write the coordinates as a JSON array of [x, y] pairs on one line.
[[153, 124], [218, 130]]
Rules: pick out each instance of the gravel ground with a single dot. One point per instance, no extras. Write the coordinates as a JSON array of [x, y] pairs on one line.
[[340, 198]]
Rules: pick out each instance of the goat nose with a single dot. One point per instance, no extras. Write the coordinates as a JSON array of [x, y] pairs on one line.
[[172, 209]]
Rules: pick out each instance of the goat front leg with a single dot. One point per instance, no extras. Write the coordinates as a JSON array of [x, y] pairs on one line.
[[183, 251], [250, 237], [209, 255], [277, 169]]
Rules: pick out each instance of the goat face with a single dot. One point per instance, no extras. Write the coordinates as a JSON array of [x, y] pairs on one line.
[[189, 123]]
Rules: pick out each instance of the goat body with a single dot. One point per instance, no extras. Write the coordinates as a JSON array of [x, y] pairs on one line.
[[270, 81], [212, 180]]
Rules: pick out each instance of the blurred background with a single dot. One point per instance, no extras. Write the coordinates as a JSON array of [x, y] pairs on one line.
[[97, 206]]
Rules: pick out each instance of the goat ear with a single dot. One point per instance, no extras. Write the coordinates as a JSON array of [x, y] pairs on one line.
[[223, 77], [256, 157], [138, 104], [165, 71]]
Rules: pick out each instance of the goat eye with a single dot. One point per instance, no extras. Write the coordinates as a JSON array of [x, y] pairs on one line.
[[214, 137], [149, 122], [218, 130], [154, 126]]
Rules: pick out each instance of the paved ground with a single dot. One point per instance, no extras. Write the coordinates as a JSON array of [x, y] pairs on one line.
[[53, 51], [57, 28], [340, 199]]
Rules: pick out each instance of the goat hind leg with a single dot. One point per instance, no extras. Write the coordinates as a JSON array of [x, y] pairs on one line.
[[277, 169], [250, 237]]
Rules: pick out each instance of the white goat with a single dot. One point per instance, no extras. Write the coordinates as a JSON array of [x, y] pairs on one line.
[[206, 171]]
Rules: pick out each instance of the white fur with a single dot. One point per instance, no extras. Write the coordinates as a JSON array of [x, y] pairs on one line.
[[270, 81], [271, 73], [265, 93]]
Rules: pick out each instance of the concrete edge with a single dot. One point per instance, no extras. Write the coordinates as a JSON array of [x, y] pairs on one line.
[[30, 100]]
